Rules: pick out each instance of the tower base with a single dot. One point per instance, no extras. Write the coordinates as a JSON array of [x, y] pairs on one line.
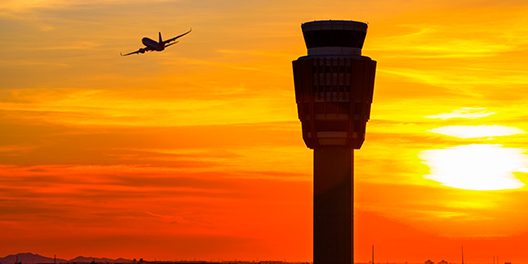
[[333, 205]]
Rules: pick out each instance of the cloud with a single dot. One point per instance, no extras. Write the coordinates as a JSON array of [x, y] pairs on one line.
[[482, 131], [111, 203], [465, 112], [428, 41], [17, 6], [22, 5]]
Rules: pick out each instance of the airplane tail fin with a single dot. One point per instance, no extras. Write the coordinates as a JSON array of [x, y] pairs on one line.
[[160, 39]]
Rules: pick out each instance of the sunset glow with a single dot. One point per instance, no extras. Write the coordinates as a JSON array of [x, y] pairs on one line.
[[477, 131], [466, 112], [476, 166], [195, 153]]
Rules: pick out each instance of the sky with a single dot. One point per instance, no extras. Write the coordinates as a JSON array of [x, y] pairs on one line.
[[196, 152]]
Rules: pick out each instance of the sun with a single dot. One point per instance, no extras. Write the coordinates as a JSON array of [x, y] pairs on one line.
[[476, 166]]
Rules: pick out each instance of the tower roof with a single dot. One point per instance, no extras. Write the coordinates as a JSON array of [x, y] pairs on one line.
[[334, 25], [346, 34]]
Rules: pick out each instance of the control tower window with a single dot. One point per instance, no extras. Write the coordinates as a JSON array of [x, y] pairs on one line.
[[334, 38]]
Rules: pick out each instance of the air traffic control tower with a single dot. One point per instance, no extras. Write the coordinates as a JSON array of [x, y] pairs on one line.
[[334, 85]]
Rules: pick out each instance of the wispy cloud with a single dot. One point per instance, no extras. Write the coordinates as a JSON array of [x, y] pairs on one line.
[[23, 5], [465, 112], [428, 41]]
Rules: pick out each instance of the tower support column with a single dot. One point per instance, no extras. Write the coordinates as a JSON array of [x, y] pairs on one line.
[[333, 205]]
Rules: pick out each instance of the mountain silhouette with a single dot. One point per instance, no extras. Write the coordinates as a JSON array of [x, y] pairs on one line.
[[82, 259], [31, 258], [28, 258]]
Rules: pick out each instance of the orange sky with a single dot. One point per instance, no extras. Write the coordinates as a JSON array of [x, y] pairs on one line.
[[196, 152]]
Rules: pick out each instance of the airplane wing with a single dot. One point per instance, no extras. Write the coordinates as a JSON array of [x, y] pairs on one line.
[[170, 44], [177, 37], [142, 50]]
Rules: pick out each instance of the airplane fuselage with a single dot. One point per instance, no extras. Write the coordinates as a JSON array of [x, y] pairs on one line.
[[152, 44]]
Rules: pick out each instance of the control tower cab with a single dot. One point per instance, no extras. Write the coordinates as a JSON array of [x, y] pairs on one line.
[[334, 84]]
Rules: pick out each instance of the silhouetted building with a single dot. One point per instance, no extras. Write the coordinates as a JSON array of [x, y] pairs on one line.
[[333, 90]]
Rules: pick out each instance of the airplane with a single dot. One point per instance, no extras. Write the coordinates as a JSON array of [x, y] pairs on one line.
[[152, 45]]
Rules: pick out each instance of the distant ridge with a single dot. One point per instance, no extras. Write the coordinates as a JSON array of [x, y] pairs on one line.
[[83, 259], [28, 258], [31, 258]]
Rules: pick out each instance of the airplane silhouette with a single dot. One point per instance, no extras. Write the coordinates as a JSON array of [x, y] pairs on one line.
[[152, 45]]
